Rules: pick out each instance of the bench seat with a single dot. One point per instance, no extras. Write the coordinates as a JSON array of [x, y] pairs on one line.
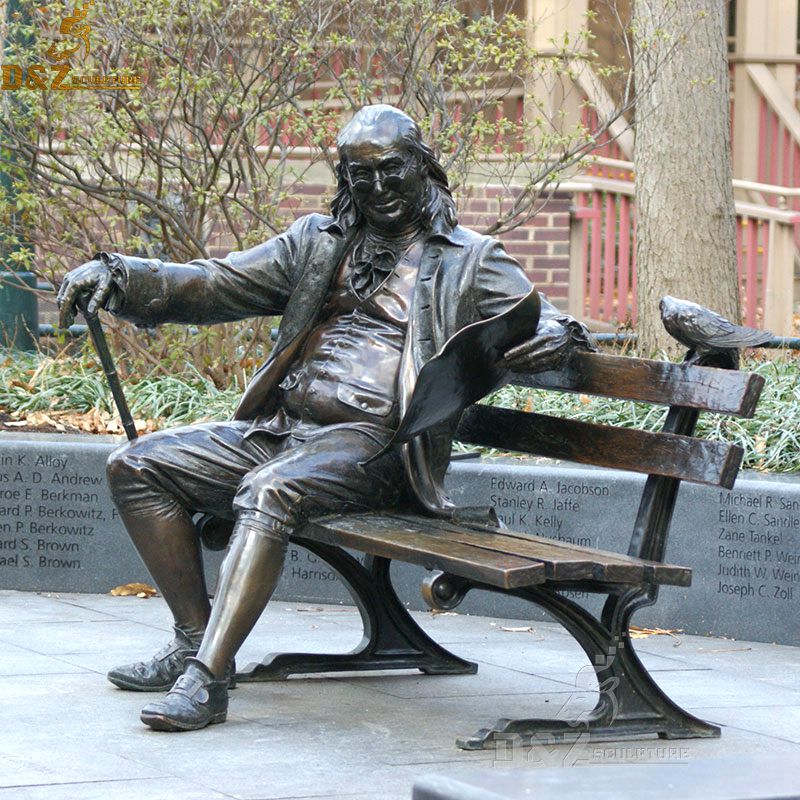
[[502, 558]]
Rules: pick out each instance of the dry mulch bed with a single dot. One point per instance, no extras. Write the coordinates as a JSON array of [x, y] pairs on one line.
[[93, 421]]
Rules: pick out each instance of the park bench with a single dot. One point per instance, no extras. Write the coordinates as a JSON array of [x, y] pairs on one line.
[[467, 554]]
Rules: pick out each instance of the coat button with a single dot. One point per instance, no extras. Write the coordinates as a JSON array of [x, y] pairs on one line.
[[363, 405]]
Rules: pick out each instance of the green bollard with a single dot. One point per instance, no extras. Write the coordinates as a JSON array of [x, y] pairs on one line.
[[19, 310]]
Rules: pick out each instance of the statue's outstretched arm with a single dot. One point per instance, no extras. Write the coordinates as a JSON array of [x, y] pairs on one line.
[[148, 291]]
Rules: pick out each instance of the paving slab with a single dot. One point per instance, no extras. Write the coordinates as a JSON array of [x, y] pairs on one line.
[[69, 735], [493, 680], [750, 778], [161, 788], [778, 722]]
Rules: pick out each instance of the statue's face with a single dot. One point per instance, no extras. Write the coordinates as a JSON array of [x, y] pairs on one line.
[[387, 181]]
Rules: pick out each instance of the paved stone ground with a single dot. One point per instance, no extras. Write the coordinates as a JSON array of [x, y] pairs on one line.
[[68, 734]]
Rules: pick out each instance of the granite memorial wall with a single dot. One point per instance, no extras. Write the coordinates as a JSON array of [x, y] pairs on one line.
[[59, 531]]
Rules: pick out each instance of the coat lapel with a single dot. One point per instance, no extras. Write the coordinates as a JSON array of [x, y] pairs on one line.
[[325, 255], [423, 308], [304, 305], [420, 346]]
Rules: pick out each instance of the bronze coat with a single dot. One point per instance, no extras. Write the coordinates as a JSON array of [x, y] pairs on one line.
[[463, 277]]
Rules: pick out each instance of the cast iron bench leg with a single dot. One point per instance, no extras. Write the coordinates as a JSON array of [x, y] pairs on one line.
[[630, 702], [391, 640]]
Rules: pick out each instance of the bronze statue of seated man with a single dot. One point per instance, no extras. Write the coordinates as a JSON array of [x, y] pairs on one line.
[[357, 327]]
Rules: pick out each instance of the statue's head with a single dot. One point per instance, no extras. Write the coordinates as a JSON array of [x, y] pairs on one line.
[[387, 176]]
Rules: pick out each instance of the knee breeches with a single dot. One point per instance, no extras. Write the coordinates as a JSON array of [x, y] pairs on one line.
[[277, 482]]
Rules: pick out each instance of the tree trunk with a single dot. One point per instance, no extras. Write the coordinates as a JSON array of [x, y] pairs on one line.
[[686, 235]]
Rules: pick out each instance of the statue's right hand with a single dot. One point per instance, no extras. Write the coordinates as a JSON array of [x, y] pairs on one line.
[[93, 280]]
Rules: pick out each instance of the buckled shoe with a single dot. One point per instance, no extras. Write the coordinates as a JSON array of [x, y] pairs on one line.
[[161, 671], [196, 700]]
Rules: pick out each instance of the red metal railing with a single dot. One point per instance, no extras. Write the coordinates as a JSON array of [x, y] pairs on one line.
[[779, 153], [752, 256], [607, 147], [608, 257], [778, 142]]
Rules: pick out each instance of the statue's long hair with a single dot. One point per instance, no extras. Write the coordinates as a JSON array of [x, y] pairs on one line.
[[439, 210]]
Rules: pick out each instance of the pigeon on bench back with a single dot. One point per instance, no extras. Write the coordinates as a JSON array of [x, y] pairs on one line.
[[704, 331]]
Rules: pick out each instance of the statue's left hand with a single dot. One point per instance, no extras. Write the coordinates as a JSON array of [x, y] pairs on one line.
[[550, 348]]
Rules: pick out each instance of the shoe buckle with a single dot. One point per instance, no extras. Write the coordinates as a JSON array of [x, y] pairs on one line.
[[191, 687], [169, 650]]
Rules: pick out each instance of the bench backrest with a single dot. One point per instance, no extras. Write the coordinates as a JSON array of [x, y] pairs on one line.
[[667, 457]]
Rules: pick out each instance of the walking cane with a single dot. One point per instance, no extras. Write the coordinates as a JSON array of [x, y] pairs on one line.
[[98, 337], [214, 532]]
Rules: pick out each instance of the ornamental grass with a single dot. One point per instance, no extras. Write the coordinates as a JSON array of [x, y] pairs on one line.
[[70, 393]]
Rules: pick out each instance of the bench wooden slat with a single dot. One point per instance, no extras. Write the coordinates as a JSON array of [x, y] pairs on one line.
[[397, 539], [561, 561], [720, 390], [684, 457]]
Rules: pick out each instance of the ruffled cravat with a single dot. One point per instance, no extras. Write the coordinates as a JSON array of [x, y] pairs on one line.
[[374, 261], [371, 269]]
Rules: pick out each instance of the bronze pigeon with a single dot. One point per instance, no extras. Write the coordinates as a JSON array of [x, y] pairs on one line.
[[704, 331]]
